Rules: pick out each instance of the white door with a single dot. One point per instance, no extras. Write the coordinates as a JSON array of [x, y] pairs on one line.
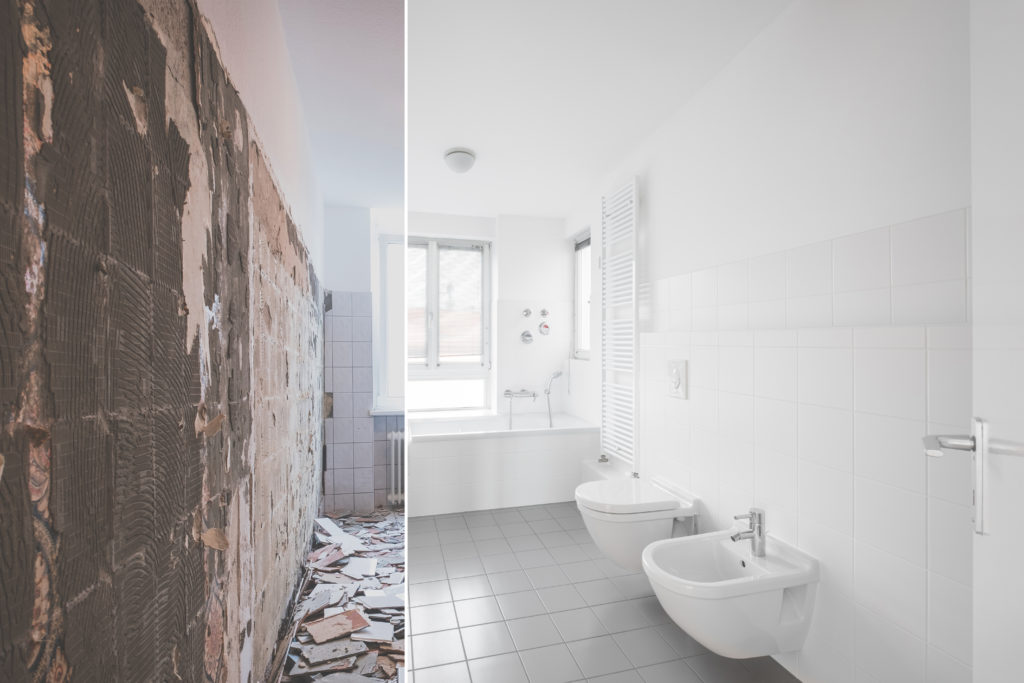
[[997, 198]]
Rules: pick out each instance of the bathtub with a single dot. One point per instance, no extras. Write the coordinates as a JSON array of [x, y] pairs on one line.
[[478, 463]]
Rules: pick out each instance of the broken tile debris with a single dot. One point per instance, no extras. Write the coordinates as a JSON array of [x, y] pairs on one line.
[[349, 621]]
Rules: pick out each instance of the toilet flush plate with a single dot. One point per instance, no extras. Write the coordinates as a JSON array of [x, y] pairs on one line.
[[678, 379]]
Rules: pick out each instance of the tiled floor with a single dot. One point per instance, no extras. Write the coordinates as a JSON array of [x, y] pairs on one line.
[[522, 595]]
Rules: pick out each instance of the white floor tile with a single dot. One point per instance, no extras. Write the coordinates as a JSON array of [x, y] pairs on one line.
[[599, 656], [645, 646], [487, 640], [522, 604], [533, 632], [434, 649], [448, 673], [499, 669], [477, 611], [552, 664]]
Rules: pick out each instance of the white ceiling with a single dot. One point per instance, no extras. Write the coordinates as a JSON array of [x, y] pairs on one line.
[[348, 57], [550, 94]]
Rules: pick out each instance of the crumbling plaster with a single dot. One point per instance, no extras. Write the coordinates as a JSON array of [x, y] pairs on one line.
[[160, 353]]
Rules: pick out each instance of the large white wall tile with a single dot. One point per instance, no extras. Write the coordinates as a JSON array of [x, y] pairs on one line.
[[775, 373], [766, 314], [950, 540], [809, 270], [949, 386], [930, 249], [732, 317], [809, 311], [944, 669], [889, 450], [736, 370], [826, 436], [768, 277], [891, 519], [826, 495], [864, 307], [705, 287], [733, 283], [775, 425], [949, 617], [825, 338], [862, 261], [930, 302], [891, 587], [885, 652], [826, 377], [834, 552], [890, 382], [736, 415], [890, 337]]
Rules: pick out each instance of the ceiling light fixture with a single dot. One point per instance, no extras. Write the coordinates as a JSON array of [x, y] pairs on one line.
[[459, 160]]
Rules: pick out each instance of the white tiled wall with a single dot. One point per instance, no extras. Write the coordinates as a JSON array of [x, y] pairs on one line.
[[355, 478], [814, 374]]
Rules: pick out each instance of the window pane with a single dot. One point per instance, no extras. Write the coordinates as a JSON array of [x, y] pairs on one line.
[[394, 366], [416, 270], [583, 286], [460, 305]]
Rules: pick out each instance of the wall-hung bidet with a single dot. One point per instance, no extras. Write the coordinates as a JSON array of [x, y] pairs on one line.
[[623, 515], [733, 602]]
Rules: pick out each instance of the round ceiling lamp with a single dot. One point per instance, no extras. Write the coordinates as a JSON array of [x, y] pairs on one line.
[[459, 160]]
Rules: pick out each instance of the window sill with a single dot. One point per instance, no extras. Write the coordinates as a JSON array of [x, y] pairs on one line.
[[382, 412]]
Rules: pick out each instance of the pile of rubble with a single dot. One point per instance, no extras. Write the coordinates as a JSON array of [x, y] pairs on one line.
[[349, 625]]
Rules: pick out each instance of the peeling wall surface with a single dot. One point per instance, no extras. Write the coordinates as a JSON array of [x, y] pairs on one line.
[[160, 353]]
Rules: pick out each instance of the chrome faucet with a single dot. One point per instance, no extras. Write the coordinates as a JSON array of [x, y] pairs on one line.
[[755, 533], [522, 393], [547, 394]]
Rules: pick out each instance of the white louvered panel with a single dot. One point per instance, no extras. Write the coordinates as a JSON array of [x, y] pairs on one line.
[[619, 323]]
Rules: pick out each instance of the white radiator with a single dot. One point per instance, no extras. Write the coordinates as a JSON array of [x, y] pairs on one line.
[[396, 468], [619, 324]]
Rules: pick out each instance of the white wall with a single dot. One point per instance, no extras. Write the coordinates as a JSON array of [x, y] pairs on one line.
[[347, 232], [997, 168], [251, 42], [532, 268], [817, 363], [534, 271]]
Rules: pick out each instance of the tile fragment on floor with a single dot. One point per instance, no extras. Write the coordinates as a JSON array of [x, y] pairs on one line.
[[349, 625]]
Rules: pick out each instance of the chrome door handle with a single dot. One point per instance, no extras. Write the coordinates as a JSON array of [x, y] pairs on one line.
[[977, 444], [934, 443]]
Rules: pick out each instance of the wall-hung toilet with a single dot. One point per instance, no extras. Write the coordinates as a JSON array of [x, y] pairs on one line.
[[624, 515]]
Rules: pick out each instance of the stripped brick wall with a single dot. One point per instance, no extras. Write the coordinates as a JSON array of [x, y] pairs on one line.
[[160, 355]]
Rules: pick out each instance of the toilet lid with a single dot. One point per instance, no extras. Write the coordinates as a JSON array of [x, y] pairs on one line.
[[623, 496]]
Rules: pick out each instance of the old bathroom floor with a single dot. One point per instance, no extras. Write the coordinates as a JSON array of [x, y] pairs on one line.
[[521, 595]]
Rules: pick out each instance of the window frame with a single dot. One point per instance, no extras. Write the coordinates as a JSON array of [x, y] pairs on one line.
[[432, 368], [381, 322], [581, 241]]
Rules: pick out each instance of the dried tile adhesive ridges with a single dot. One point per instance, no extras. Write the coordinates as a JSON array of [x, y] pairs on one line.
[[160, 355], [350, 622]]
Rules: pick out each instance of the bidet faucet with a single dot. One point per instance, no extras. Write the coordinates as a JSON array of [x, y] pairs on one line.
[[755, 533]]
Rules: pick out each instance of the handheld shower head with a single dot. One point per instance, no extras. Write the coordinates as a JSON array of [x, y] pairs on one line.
[[555, 375]]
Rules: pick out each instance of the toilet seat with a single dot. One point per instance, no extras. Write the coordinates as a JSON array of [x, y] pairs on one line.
[[625, 515], [629, 500]]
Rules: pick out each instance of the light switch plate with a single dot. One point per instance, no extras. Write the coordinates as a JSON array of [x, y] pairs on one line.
[[678, 379]]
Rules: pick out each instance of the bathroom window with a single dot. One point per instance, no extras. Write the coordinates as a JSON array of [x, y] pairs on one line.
[[581, 297], [449, 320]]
